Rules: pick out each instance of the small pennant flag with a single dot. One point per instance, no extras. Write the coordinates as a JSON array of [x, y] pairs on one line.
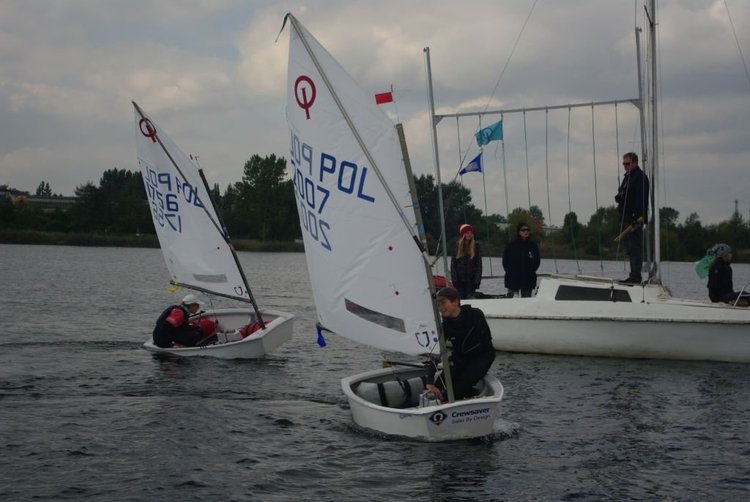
[[493, 132], [475, 166], [383, 97]]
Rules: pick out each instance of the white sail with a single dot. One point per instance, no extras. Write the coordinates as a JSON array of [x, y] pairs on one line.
[[190, 233], [367, 272]]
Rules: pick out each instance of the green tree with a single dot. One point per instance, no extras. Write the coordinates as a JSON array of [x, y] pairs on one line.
[[117, 205], [571, 230], [602, 228], [44, 189], [668, 217], [693, 236], [7, 213], [457, 206], [264, 206], [536, 213]]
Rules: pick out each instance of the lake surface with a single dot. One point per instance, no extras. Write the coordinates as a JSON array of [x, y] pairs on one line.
[[86, 414]]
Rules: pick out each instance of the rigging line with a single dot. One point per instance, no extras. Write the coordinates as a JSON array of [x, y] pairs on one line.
[[546, 163], [460, 161], [512, 51], [505, 183], [617, 146], [662, 164], [486, 214], [736, 40], [571, 220], [596, 189], [526, 150]]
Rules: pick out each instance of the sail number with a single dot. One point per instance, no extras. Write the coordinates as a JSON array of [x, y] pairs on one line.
[[165, 193], [315, 179], [311, 199]]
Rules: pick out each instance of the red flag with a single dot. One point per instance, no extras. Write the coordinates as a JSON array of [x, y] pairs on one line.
[[383, 97]]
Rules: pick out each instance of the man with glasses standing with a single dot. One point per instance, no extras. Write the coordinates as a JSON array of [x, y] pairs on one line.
[[632, 205], [521, 261]]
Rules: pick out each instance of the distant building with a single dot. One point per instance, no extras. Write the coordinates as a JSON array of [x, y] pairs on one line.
[[43, 202]]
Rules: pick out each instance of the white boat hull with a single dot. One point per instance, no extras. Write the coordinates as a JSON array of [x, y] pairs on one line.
[[278, 331], [630, 321], [464, 419]]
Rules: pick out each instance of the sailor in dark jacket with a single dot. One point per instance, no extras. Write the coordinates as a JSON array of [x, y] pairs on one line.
[[469, 340], [173, 325], [720, 285], [521, 261], [632, 205]]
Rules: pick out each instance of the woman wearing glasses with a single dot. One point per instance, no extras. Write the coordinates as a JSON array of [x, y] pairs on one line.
[[521, 261]]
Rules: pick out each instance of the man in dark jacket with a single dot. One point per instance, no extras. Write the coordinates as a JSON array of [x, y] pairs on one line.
[[632, 205], [469, 340], [521, 261]]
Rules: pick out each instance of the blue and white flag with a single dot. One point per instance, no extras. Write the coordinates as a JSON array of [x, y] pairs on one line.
[[474, 166], [492, 132]]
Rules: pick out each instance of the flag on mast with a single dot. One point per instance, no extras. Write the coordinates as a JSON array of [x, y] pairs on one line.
[[474, 166], [492, 132], [383, 97]]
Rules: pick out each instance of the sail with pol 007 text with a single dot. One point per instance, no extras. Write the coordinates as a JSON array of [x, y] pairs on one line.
[[366, 270]]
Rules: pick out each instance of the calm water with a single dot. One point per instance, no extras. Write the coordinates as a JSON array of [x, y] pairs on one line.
[[86, 414]]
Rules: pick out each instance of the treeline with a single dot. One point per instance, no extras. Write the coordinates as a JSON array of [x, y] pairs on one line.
[[261, 207], [680, 241]]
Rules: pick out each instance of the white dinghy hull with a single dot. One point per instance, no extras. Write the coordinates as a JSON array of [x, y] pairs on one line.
[[600, 317], [278, 331], [464, 419]]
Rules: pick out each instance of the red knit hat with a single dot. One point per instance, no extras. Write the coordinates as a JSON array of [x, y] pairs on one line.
[[465, 228]]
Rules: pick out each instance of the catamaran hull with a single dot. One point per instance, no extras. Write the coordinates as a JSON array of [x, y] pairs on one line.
[[644, 322], [464, 419], [279, 329]]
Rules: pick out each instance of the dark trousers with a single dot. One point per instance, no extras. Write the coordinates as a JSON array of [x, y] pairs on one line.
[[525, 293], [466, 376], [186, 335], [633, 247], [465, 290]]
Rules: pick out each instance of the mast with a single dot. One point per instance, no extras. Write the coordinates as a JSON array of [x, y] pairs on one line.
[[225, 235], [655, 140], [646, 160], [428, 270], [436, 155]]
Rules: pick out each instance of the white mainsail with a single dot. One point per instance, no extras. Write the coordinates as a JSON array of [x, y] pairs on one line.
[[367, 272], [190, 233]]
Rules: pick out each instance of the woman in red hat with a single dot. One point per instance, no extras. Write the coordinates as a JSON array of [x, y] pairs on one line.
[[466, 265]]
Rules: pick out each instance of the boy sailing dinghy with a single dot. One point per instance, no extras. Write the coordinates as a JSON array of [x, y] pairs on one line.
[[198, 253], [369, 274]]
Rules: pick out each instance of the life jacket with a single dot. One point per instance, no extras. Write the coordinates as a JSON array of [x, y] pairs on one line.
[[248, 330], [175, 320]]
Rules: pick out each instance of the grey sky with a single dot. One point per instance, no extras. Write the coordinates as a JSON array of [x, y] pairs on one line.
[[211, 74]]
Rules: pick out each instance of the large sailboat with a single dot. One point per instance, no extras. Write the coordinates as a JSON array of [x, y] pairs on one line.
[[599, 316]]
